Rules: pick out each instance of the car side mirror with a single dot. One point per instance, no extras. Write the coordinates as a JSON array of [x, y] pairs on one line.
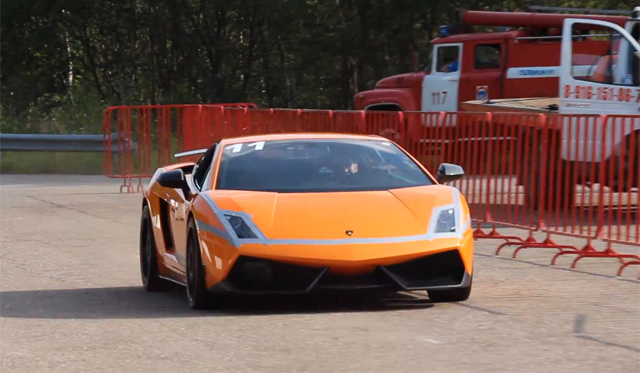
[[173, 179], [448, 172]]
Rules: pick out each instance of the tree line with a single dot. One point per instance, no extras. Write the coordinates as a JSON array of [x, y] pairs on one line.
[[64, 61]]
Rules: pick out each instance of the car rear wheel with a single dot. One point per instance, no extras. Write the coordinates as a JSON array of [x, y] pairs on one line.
[[151, 280], [450, 295], [196, 288]]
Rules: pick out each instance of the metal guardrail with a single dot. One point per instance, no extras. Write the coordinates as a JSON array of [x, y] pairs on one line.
[[552, 9], [62, 143]]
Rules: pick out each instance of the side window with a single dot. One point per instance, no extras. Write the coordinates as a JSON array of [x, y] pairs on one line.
[[448, 59], [487, 57], [202, 168], [594, 57], [206, 180]]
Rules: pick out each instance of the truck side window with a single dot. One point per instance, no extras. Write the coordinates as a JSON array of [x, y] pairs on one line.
[[591, 58], [429, 63], [595, 58], [635, 63], [487, 56], [448, 59]]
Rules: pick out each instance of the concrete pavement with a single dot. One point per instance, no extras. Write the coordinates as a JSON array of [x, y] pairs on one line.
[[71, 300]]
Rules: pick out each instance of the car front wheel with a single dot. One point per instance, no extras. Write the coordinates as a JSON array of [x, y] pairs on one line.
[[196, 288]]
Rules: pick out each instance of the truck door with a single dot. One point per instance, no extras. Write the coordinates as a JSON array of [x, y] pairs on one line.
[[440, 88], [602, 81], [484, 80]]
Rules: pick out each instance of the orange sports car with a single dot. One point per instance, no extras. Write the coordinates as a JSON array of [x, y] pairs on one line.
[[297, 213]]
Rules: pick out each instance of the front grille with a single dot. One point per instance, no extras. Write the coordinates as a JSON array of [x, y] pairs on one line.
[[375, 279], [256, 275]]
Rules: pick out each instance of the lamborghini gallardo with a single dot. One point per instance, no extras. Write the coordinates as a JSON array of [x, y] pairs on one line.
[[302, 213]]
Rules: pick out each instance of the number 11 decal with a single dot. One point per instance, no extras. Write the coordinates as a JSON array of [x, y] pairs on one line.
[[258, 145], [236, 148]]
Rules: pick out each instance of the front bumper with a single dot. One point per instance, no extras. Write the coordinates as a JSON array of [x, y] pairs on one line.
[[252, 275]]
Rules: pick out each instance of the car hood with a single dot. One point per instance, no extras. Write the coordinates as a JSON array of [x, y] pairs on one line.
[[371, 214]]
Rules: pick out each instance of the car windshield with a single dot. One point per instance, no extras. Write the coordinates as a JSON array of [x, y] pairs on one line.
[[317, 165]]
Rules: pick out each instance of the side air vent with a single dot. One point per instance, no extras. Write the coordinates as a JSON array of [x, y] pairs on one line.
[[165, 225]]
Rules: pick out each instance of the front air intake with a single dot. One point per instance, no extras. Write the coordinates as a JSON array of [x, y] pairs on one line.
[[442, 269], [256, 275]]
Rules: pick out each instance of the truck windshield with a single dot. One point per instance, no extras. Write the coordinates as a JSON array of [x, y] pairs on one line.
[[317, 165], [427, 66], [635, 58]]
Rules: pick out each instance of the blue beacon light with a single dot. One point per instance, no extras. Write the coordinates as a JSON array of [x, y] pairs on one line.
[[444, 31]]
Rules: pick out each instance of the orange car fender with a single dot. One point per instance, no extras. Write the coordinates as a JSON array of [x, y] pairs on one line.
[[466, 244], [466, 250], [218, 255]]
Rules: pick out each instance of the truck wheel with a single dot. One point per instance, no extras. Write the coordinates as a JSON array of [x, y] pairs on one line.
[[626, 165], [558, 181], [559, 187]]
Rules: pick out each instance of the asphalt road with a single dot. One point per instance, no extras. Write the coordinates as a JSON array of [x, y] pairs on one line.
[[71, 301]]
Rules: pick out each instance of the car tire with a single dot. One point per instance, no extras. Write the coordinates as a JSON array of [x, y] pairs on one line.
[[151, 280], [197, 294], [450, 295]]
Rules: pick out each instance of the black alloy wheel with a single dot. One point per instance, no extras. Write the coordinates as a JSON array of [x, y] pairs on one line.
[[196, 288], [151, 280]]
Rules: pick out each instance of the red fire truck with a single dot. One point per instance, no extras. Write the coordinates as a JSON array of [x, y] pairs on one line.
[[465, 65], [555, 63], [584, 147]]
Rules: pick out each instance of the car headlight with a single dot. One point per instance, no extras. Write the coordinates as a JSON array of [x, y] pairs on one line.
[[240, 227], [445, 220]]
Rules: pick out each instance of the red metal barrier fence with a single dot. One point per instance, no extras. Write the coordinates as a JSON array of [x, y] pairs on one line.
[[559, 175]]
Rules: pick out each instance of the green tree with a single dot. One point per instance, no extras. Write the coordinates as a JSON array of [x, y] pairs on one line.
[[64, 61]]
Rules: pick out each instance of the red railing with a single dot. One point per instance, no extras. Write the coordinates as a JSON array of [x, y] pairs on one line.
[[551, 175]]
